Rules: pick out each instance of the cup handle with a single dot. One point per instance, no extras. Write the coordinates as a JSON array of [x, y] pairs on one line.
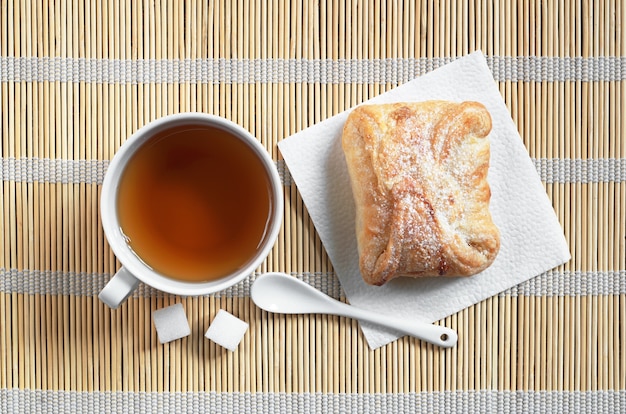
[[120, 287]]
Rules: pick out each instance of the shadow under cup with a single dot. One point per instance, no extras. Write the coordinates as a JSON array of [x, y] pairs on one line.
[[191, 204]]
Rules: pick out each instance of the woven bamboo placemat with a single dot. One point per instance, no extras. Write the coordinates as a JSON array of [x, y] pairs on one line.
[[77, 78]]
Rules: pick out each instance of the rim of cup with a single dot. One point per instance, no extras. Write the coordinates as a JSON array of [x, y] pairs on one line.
[[116, 238]]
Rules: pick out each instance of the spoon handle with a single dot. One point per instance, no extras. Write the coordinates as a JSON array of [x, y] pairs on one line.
[[435, 334]]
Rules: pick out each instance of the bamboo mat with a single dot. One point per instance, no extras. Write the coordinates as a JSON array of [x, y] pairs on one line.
[[77, 78]]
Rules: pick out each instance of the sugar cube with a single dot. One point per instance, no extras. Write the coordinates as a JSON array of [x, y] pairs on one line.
[[226, 330], [171, 323]]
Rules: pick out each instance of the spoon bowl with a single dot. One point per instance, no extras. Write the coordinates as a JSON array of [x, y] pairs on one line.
[[281, 293]]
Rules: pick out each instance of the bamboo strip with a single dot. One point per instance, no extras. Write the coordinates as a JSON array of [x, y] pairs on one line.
[[5, 312], [620, 206]]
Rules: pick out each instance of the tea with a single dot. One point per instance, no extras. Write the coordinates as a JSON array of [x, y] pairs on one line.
[[194, 203]]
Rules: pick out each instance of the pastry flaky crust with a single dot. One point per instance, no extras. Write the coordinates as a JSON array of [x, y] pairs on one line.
[[419, 179]]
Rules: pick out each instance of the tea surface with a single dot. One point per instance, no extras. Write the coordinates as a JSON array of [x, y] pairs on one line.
[[194, 203]]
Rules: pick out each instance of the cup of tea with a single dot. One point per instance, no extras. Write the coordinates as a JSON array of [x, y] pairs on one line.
[[191, 204]]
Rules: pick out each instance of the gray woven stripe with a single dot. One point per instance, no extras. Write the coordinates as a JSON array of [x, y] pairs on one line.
[[45, 170], [484, 401], [581, 171], [92, 172], [551, 283], [360, 71], [40, 282], [567, 283]]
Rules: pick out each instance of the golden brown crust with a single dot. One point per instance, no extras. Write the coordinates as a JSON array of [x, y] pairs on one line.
[[419, 179]]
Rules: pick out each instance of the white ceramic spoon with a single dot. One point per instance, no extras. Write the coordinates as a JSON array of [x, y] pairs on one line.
[[281, 293]]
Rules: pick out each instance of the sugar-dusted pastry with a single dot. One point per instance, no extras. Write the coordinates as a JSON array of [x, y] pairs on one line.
[[419, 179]]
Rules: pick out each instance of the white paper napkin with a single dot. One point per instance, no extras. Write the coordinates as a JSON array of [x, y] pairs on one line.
[[532, 240]]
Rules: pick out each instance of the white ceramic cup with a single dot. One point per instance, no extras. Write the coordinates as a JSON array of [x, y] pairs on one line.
[[133, 268]]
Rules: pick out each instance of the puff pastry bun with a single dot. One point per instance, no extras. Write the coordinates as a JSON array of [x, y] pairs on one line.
[[419, 180]]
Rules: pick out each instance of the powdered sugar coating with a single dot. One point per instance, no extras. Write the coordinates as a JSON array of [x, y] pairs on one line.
[[418, 173]]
